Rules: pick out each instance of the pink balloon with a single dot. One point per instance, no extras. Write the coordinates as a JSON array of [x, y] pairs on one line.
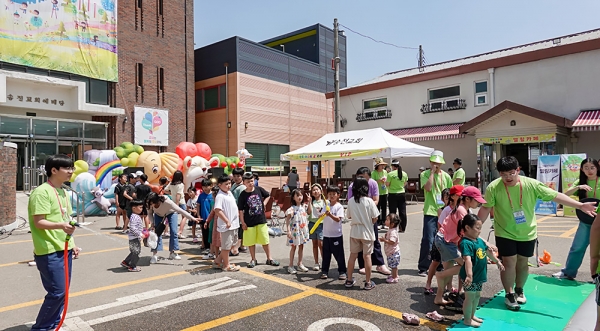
[[157, 121], [186, 149], [203, 150]]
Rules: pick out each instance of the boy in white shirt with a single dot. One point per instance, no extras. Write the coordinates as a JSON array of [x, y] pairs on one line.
[[333, 241], [228, 223]]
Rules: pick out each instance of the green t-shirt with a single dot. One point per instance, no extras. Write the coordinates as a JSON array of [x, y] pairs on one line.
[[318, 208], [459, 173], [594, 193], [43, 201], [433, 198], [505, 223], [376, 175], [477, 250], [397, 182], [237, 189]]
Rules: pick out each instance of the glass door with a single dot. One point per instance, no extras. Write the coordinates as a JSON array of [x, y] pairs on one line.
[[487, 165], [73, 149]]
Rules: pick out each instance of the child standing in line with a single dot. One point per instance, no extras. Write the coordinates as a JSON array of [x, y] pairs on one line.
[[392, 250], [333, 241], [192, 208], [316, 208], [204, 204], [474, 271], [228, 223], [297, 230], [136, 226]]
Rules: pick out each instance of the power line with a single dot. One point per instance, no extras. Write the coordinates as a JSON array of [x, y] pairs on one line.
[[377, 41]]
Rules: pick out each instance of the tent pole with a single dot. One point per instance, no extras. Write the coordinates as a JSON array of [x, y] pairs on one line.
[[279, 174], [328, 177]]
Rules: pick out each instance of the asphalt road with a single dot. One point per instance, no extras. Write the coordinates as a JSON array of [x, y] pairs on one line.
[[187, 294]]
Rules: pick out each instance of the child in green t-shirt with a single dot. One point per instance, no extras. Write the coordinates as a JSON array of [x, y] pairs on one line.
[[474, 272]]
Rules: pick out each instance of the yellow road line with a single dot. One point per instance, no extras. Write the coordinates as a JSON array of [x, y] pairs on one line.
[[341, 298], [98, 289], [84, 253], [415, 213], [540, 220], [553, 236], [28, 241], [249, 312], [569, 232]]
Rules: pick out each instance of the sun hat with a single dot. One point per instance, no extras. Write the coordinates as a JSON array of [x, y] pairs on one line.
[[437, 157], [473, 192], [456, 190], [379, 161]]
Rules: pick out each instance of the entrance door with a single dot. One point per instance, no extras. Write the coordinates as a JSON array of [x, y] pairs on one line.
[[23, 161], [486, 165], [521, 152], [73, 149]]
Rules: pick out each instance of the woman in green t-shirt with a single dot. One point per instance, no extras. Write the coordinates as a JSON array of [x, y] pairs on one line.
[[585, 187], [380, 176], [397, 199]]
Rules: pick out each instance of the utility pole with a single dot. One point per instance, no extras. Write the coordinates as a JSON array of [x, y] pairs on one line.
[[336, 80], [421, 58]]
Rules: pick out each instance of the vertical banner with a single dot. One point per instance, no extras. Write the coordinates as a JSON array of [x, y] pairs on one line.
[[548, 172], [570, 164], [151, 126]]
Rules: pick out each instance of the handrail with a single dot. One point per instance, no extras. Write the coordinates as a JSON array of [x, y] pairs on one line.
[[80, 205]]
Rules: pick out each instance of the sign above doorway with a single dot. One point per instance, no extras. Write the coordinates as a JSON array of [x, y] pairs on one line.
[[536, 138]]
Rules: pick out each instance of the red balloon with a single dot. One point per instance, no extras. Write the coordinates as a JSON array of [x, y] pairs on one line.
[[223, 164], [203, 150], [214, 164], [240, 165], [186, 149]]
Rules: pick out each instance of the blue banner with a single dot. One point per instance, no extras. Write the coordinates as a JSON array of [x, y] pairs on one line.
[[548, 172]]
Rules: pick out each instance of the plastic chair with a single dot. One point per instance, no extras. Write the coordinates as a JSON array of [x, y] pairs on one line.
[[411, 191]]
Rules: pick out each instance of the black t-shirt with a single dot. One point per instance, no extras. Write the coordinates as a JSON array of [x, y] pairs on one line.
[[119, 192], [142, 191], [251, 203], [130, 189]]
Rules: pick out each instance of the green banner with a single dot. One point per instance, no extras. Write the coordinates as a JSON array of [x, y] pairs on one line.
[[570, 164]]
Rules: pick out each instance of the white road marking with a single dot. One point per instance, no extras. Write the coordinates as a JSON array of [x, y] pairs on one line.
[[320, 325]]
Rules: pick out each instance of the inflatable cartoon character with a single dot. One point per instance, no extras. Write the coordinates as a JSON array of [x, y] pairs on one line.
[[100, 201], [195, 169], [243, 154], [157, 165]]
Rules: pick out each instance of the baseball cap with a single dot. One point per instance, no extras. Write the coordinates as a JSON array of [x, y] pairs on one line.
[[437, 157], [131, 175], [456, 189], [422, 168], [473, 192]]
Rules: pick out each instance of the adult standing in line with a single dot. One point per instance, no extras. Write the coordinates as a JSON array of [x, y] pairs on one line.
[[433, 182], [292, 179], [379, 174], [513, 198], [458, 178], [237, 187], [376, 256], [397, 180], [49, 210], [594, 263]]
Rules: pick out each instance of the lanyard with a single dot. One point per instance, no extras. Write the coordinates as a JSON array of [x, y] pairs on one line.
[[62, 211], [520, 195]]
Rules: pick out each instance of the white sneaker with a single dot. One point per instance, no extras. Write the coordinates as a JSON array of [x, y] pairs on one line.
[[154, 259], [317, 267], [208, 256], [511, 302], [302, 268], [291, 270], [174, 256], [560, 275]]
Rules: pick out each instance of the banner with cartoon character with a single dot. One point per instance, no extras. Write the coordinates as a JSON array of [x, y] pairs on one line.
[[76, 36], [570, 164], [151, 126]]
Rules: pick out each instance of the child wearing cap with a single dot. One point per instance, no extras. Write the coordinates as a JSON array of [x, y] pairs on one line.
[[447, 239]]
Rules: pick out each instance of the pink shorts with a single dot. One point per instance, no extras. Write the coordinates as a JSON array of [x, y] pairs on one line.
[[216, 237]]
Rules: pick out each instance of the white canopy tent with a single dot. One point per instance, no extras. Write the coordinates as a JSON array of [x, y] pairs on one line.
[[357, 145]]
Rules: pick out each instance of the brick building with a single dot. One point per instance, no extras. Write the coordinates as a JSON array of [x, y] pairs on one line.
[[49, 111]]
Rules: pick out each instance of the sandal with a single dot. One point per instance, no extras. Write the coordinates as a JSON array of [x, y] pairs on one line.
[[435, 316], [232, 267], [252, 264], [428, 291], [411, 319], [273, 263], [216, 266], [369, 286], [349, 283]]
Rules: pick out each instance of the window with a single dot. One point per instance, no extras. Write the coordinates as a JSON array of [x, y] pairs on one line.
[[444, 98], [161, 79], [481, 89], [211, 98], [376, 103], [160, 7], [139, 75], [267, 155], [139, 15], [444, 93], [160, 19]]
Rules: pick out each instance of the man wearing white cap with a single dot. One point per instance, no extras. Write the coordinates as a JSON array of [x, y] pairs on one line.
[[433, 182]]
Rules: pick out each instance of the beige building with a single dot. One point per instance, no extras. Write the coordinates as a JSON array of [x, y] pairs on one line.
[[524, 101]]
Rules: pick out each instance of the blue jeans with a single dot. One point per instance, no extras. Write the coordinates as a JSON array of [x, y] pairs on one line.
[[52, 272], [580, 243], [174, 239], [429, 231]]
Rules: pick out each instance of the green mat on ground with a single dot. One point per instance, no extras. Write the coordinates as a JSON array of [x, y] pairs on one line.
[[550, 305]]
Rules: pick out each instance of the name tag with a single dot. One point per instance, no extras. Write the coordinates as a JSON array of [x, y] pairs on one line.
[[438, 200], [519, 217]]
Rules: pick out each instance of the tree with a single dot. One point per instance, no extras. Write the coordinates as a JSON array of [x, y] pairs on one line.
[[104, 18], [61, 29]]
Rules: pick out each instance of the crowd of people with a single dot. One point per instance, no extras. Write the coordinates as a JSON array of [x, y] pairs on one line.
[[230, 213]]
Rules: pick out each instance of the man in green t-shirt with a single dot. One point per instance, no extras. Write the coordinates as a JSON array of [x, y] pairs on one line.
[[433, 182], [458, 178], [396, 183], [513, 198], [594, 263], [49, 211]]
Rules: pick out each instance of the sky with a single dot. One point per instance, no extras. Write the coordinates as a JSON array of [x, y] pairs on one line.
[[447, 29]]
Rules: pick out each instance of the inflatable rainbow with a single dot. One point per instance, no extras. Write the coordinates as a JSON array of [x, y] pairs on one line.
[[106, 169]]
